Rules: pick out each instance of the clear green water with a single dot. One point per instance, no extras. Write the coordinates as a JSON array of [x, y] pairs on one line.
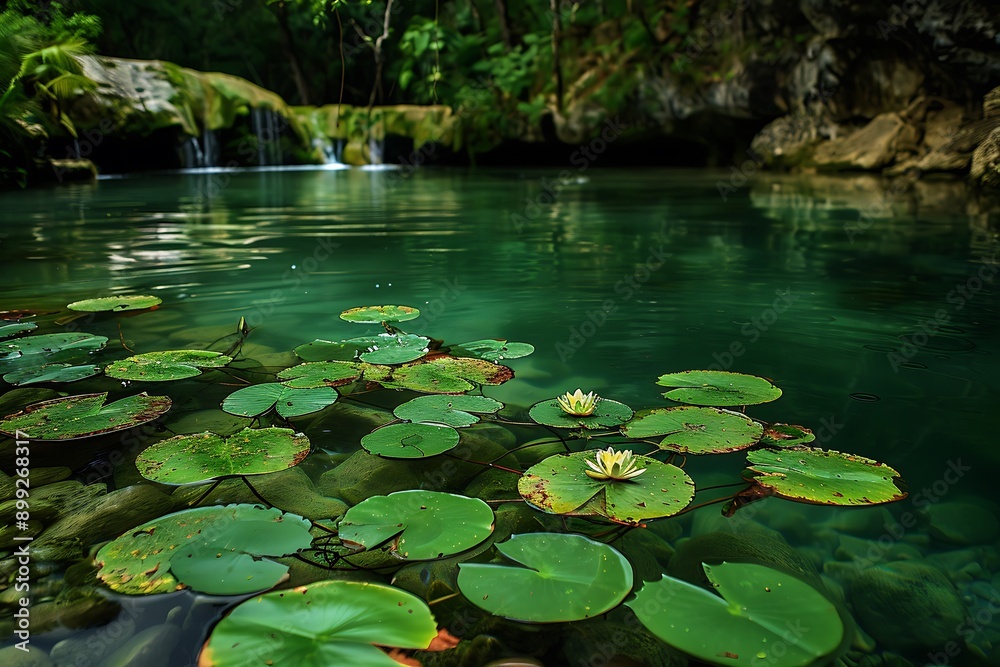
[[622, 277]]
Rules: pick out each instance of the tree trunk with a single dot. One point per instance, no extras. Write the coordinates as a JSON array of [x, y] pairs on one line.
[[501, 6], [556, 36], [288, 46]]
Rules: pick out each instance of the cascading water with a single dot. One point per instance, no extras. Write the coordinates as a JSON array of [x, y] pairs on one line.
[[330, 150], [192, 155], [266, 127], [376, 148]]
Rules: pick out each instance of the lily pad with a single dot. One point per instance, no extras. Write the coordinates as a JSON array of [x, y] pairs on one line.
[[423, 525], [691, 430], [448, 410], [259, 398], [320, 625], [823, 477], [560, 485], [166, 365], [216, 550], [607, 414], [108, 304], [378, 314], [492, 350], [328, 350], [446, 375], [558, 578], [763, 617], [51, 373], [410, 441], [8, 330], [83, 416], [200, 457], [394, 348], [786, 435], [321, 374], [718, 388], [47, 349]]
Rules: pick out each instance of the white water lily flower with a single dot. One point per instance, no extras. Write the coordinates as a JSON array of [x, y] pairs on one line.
[[578, 404], [613, 466]]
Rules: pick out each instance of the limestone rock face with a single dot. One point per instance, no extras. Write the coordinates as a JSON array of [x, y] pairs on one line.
[[986, 162], [874, 146]]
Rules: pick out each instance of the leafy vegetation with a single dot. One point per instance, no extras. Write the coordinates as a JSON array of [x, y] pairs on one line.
[[617, 471]]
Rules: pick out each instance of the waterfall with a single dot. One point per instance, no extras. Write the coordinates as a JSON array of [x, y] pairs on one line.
[[76, 148], [375, 149], [331, 152], [267, 129], [210, 148], [192, 155]]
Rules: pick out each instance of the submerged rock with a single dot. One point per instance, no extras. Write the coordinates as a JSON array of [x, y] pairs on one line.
[[11, 656], [907, 606], [961, 523]]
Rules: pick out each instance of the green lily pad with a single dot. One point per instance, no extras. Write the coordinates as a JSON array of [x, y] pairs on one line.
[[321, 374], [327, 350], [607, 414], [378, 314], [51, 373], [83, 416], [200, 457], [448, 410], [786, 435], [394, 348], [216, 550], [8, 330], [446, 375], [718, 388], [423, 525], [115, 304], [560, 485], [166, 365], [322, 624], [259, 398], [32, 351], [691, 430], [823, 477], [410, 441], [492, 350], [564, 578], [764, 617]]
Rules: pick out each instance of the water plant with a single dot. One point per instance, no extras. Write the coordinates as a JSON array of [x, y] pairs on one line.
[[615, 470]]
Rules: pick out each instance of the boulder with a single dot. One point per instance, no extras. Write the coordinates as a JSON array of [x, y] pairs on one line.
[[961, 523], [11, 656], [907, 606], [985, 169], [873, 146]]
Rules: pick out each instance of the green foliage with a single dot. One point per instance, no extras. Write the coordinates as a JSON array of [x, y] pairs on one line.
[[748, 625]]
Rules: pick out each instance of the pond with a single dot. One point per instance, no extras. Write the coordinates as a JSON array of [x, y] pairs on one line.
[[874, 309]]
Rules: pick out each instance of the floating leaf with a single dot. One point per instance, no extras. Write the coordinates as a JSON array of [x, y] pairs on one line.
[[446, 375], [259, 398], [410, 441], [754, 623], [321, 374], [85, 415], [786, 435], [690, 430], [326, 350], [166, 365], [423, 525], [8, 330], [718, 388], [200, 457], [48, 349], [564, 578], [394, 348], [115, 304], [51, 373], [215, 550], [823, 477], [492, 350], [560, 485], [449, 410], [324, 624], [377, 314], [607, 414]]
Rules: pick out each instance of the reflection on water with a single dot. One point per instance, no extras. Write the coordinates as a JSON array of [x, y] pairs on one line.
[[874, 308]]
